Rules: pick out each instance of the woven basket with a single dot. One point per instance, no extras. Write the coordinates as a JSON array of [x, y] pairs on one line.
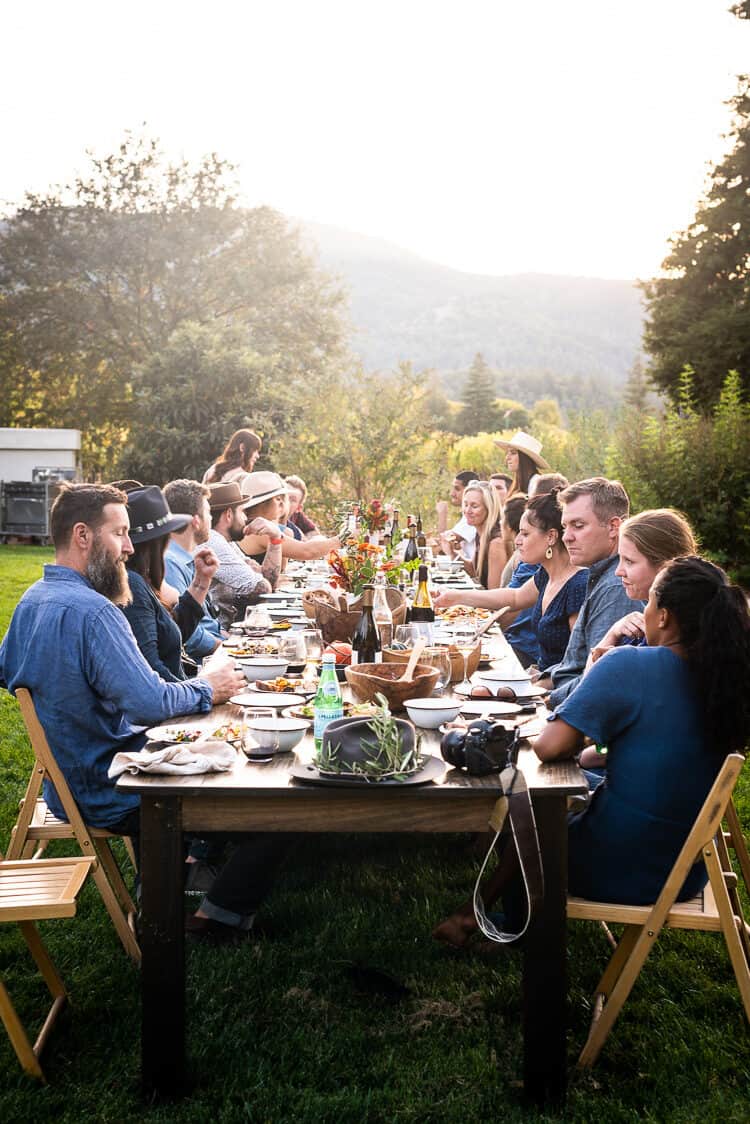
[[337, 624]]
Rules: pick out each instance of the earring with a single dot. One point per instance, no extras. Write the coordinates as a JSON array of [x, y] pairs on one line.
[[548, 553]]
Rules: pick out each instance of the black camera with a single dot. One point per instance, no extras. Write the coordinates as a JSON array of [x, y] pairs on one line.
[[484, 747]]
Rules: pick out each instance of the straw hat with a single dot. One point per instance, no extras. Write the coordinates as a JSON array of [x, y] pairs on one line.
[[522, 442], [150, 517], [257, 487], [226, 495]]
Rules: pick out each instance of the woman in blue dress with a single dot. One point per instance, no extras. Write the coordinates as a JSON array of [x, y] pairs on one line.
[[555, 592], [669, 713]]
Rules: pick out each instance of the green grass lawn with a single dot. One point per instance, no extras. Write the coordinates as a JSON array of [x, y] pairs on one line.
[[278, 1030]]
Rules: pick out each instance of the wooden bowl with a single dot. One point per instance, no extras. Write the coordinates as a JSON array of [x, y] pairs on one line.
[[396, 655], [368, 679]]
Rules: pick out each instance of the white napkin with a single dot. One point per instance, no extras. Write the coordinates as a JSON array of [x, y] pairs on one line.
[[205, 756]]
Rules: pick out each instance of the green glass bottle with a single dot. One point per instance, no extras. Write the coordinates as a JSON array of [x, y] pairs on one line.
[[328, 704]]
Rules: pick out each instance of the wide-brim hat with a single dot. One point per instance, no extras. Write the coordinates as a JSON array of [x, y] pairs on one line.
[[351, 741], [524, 443], [150, 517], [257, 487], [226, 495]]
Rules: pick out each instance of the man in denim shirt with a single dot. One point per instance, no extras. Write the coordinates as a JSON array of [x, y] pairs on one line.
[[592, 513], [188, 497], [94, 693]]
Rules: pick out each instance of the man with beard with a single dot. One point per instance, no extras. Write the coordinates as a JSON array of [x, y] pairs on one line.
[[70, 645], [188, 497], [239, 581]]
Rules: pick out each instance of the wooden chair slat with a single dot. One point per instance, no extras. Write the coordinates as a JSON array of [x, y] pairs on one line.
[[716, 909]]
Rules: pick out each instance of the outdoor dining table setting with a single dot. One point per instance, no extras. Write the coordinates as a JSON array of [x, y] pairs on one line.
[[267, 780]]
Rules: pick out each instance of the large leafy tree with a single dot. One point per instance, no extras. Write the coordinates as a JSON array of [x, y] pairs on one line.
[[96, 277], [699, 313]]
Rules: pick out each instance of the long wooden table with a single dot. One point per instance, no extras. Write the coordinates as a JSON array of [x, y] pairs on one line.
[[254, 797]]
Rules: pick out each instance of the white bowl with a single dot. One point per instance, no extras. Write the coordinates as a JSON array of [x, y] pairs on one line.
[[288, 732], [430, 713], [521, 684], [263, 667]]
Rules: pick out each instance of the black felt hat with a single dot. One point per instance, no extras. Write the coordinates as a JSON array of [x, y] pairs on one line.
[[150, 517], [349, 756]]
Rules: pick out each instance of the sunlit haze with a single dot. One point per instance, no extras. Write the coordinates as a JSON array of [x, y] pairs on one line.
[[495, 137]]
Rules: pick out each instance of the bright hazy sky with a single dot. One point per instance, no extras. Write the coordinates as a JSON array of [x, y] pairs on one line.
[[495, 136]]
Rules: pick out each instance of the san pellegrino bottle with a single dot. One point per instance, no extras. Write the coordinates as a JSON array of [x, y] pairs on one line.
[[382, 613], [422, 609], [366, 647], [411, 554], [328, 704]]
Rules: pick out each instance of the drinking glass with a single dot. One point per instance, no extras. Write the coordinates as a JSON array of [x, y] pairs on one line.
[[293, 649], [250, 739], [438, 656], [465, 637]]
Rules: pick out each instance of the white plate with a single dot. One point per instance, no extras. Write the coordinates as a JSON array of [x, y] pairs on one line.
[[531, 694], [267, 698], [171, 732]]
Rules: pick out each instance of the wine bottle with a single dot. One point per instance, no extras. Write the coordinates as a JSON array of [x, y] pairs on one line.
[[382, 613], [395, 529], [328, 704], [421, 537], [366, 647], [422, 609], [411, 554]]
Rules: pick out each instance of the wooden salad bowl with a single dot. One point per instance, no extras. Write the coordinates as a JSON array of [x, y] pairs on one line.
[[369, 679]]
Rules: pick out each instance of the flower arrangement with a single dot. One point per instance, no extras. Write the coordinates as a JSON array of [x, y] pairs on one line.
[[356, 567]]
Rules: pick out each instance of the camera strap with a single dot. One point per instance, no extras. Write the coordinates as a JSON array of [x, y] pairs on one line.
[[514, 806]]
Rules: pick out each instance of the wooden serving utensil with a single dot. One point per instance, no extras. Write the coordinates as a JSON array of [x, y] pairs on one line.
[[491, 620], [416, 652]]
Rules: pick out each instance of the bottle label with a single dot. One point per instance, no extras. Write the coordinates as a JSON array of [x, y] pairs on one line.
[[325, 715]]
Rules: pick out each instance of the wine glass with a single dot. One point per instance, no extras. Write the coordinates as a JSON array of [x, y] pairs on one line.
[[293, 649], [259, 746], [465, 638], [312, 638]]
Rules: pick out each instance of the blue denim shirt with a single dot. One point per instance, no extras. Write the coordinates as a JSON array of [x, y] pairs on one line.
[[92, 689], [179, 572]]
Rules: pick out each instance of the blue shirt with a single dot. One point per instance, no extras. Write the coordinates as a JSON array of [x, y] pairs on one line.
[[640, 703], [521, 634], [179, 571], [92, 689], [552, 626], [606, 601]]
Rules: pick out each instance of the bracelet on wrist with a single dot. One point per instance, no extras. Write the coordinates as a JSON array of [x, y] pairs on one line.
[[277, 542]]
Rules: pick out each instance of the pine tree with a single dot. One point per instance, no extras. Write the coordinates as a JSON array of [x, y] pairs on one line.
[[700, 311], [479, 413], [635, 394]]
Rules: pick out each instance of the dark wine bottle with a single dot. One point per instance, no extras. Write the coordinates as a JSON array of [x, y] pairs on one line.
[[422, 609], [366, 647], [411, 554]]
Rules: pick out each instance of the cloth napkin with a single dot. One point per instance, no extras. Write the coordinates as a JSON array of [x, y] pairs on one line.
[[205, 756]]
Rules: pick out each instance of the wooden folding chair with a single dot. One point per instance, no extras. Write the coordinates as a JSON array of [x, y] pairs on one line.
[[32, 890], [716, 909], [36, 825]]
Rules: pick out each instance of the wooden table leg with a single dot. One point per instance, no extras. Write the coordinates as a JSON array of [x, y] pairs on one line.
[[545, 975], [162, 946]]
